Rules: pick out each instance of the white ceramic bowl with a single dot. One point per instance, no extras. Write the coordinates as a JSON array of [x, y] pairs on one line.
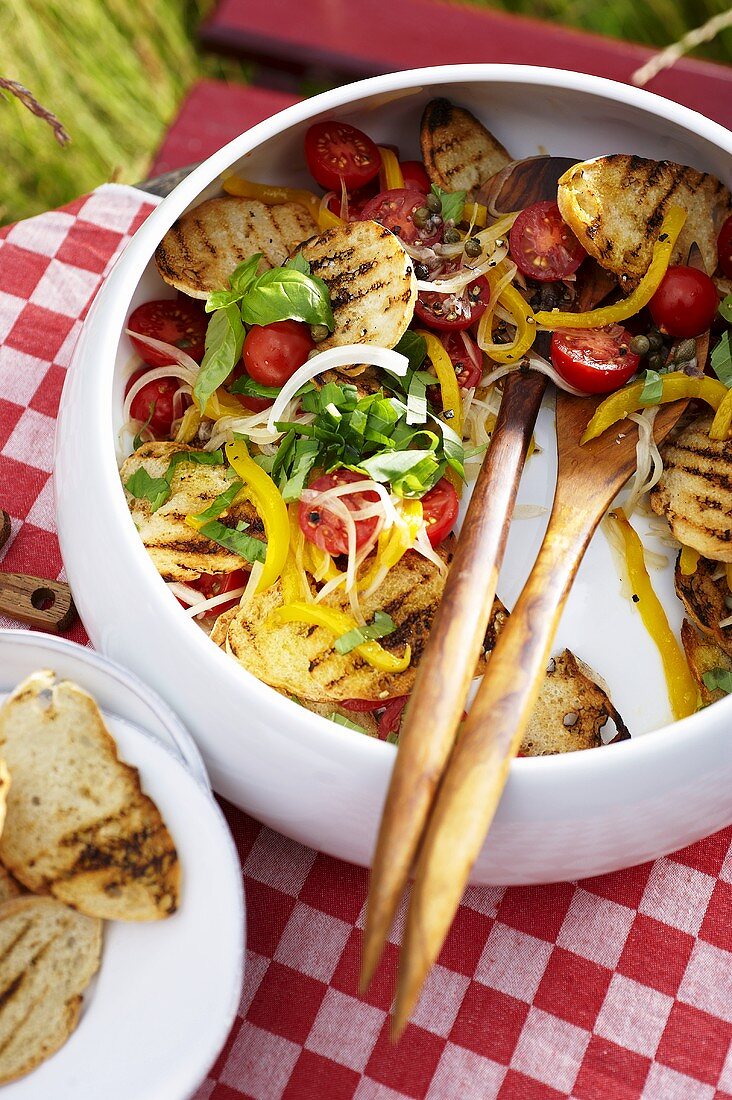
[[561, 817]]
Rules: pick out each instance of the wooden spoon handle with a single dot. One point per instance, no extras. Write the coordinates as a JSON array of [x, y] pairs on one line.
[[33, 600], [448, 663], [491, 737]]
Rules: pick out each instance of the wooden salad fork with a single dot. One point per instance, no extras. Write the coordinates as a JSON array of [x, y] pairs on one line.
[[45, 604], [588, 479]]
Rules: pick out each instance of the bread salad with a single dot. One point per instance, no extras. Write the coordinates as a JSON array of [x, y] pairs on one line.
[[304, 416]]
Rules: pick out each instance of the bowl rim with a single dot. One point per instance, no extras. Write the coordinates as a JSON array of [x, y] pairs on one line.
[[111, 305]]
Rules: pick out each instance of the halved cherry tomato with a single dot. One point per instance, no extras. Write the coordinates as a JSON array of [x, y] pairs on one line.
[[215, 584], [356, 200], [685, 303], [336, 151], [175, 321], [724, 248], [154, 402], [272, 353], [324, 527], [468, 367], [453, 311], [542, 245], [393, 209], [595, 360], [415, 177], [440, 510]]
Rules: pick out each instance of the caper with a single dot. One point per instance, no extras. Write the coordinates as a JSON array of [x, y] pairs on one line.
[[421, 216], [421, 271], [452, 236], [434, 205], [685, 351], [655, 340], [640, 345], [655, 361], [319, 332], [473, 247]]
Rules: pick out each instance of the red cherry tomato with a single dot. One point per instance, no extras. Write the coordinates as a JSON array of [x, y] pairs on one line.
[[542, 245], [272, 353], [724, 248], [595, 360], [453, 311], [154, 402], [356, 201], [215, 584], [175, 321], [440, 510], [325, 527], [415, 177], [685, 303], [468, 368], [393, 209], [335, 151]]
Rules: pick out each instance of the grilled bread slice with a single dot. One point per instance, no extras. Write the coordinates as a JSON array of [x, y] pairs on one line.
[[371, 282], [615, 206], [571, 711], [703, 656], [704, 599], [9, 887], [199, 252], [78, 824], [458, 152], [178, 552], [695, 490], [48, 956]]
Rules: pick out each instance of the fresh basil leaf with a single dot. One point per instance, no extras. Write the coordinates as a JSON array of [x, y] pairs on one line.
[[416, 400], [220, 503], [341, 720], [265, 462], [395, 465], [224, 341], [137, 441], [286, 294], [246, 546], [725, 309], [652, 391], [195, 458], [239, 282], [382, 625], [305, 455], [721, 360], [247, 385], [413, 347], [452, 203], [298, 263], [144, 487], [718, 679]]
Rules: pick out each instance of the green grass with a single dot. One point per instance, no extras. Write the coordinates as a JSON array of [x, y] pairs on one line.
[[115, 72]]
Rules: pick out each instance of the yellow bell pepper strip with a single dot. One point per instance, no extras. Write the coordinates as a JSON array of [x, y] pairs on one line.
[[722, 423], [221, 403], [338, 623], [677, 386], [451, 400], [271, 507], [640, 297], [271, 195], [523, 318], [189, 425], [475, 214], [688, 561], [393, 177], [682, 689], [394, 543]]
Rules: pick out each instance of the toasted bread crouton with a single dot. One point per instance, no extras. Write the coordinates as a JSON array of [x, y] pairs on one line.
[[704, 655], [9, 887], [371, 282], [459, 154], [78, 825], [178, 552], [695, 490], [200, 251], [615, 206], [704, 599], [48, 956]]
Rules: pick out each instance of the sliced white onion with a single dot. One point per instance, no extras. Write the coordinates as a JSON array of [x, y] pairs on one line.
[[251, 585], [424, 547], [185, 593], [149, 376], [725, 622], [215, 601], [385, 508], [189, 368], [538, 364], [458, 280], [346, 356], [649, 464], [472, 350]]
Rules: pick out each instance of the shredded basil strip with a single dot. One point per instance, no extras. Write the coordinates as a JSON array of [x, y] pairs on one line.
[[725, 309], [721, 360], [341, 720], [157, 489], [652, 391], [382, 625], [718, 679], [221, 502], [224, 341], [417, 400], [287, 294], [235, 539], [414, 347], [452, 203]]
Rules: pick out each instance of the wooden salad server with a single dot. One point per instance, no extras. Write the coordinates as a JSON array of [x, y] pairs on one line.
[[45, 604], [588, 479]]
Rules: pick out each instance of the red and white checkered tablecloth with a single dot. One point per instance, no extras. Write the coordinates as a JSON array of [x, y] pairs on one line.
[[615, 988]]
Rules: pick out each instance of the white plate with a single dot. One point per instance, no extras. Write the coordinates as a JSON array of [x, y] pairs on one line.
[[160, 1008], [561, 817]]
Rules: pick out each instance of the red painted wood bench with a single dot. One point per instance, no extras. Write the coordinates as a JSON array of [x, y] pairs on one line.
[[347, 39]]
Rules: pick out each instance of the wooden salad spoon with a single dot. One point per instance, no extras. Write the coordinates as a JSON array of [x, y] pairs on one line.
[[33, 600], [588, 479]]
